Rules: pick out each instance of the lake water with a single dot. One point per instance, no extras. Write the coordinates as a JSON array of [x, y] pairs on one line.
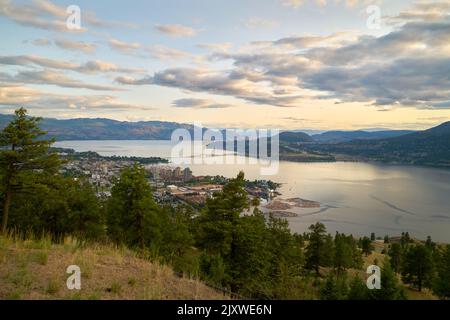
[[357, 198]]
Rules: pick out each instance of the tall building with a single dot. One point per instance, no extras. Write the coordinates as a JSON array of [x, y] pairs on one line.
[[187, 174]]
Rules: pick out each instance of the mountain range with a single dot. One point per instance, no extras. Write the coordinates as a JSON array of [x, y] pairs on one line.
[[428, 147]]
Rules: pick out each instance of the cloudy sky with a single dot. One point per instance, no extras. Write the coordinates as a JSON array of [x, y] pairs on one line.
[[288, 64]]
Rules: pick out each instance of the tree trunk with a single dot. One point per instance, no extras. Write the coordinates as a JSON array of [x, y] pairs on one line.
[[5, 212]]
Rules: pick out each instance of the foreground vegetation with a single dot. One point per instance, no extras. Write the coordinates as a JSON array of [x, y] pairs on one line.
[[249, 254], [35, 269]]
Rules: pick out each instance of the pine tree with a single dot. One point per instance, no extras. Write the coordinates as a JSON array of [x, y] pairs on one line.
[[367, 246], [342, 254], [315, 250], [132, 215], [220, 216], [390, 287], [358, 290], [395, 255], [442, 282], [22, 150], [418, 266], [329, 290]]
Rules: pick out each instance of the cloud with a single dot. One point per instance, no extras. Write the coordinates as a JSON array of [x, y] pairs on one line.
[[165, 53], [408, 66], [293, 3], [221, 47], [82, 46], [422, 11], [176, 30], [40, 14], [321, 3], [44, 14], [47, 77], [199, 104], [216, 82], [260, 23], [124, 47], [303, 42], [15, 96], [41, 42], [90, 67]]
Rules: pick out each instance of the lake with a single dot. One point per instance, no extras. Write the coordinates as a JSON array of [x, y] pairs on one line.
[[356, 198]]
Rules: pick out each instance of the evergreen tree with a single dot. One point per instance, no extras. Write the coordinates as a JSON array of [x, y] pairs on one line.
[[390, 287], [442, 282], [22, 150], [358, 290], [132, 215], [220, 216], [343, 258], [315, 250], [395, 255], [367, 246], [418, 266], [329, 290]]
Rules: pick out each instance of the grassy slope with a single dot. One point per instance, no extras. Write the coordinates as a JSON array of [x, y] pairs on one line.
[[36, 269]]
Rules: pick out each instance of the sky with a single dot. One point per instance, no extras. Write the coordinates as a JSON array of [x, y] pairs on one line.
[[286, 64]]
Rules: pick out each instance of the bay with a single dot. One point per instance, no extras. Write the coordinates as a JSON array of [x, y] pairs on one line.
[[357, 198]]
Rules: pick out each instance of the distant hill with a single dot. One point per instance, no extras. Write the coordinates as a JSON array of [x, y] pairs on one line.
[[295, 137], [105, 129], [345, 136], [428, 147]]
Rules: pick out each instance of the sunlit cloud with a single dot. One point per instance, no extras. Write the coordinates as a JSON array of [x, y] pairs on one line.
[[176, 30]]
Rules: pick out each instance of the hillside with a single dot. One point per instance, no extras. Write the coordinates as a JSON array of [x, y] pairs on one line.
[[105, 129], [294, 137], [428, 147], [345, 136], [36, 270]]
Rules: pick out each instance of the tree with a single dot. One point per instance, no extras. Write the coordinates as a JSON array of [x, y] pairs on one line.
[[51, 203], [405, 240], [386, 239], [343, 258], [418, 266], [395, 255], [220, 216], [442, 283], [357, 290], [237, 246], [316, 246], [390, 287], [367, 246], [133, 217], [329, 290], [22, 150], [372, 236]]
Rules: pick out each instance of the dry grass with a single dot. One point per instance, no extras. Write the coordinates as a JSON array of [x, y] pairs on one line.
[[36, 269]]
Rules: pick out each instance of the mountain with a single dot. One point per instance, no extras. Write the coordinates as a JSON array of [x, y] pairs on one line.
[[428, 147], [294, 137], [105, 129], [345, 136]]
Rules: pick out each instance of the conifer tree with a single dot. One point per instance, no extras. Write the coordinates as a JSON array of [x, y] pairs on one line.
[[23, 149]]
